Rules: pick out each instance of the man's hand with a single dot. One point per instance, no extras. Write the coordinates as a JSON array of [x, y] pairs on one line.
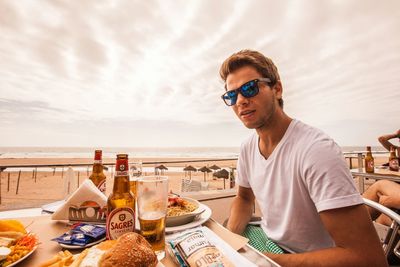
[[241, 210]]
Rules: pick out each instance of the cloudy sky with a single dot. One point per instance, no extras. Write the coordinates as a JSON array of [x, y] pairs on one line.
[[145, 73]]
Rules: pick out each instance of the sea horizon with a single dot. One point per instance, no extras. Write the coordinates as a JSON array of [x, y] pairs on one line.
[[159, 152]]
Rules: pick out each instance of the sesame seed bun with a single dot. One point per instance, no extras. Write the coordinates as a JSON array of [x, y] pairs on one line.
[[131, 250]]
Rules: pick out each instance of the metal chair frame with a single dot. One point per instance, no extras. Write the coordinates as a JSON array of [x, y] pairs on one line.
[[392, 234]]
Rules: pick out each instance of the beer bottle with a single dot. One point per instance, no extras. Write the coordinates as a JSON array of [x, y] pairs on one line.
[[393, 160], [369, 161], [97, 176], [120, 203]]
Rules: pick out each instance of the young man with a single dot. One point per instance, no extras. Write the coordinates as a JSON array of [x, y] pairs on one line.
[[297, 175]]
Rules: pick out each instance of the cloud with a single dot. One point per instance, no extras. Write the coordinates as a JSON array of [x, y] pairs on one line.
[[135, 62]]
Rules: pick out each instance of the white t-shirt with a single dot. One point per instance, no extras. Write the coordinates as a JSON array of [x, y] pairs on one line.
[[305, 174]]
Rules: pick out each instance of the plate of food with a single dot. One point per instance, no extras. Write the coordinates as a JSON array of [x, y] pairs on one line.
[[189, 219], [182, 210], [16, 244], [131, 249]]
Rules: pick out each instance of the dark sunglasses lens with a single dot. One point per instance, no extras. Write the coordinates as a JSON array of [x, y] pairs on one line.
[[230, 98], [250, 89]]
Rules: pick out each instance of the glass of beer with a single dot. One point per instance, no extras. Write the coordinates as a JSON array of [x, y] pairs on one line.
[[152, 201], [136, 171]]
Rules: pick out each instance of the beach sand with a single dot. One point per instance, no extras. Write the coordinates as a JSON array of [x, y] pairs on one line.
[[43, 187], [46, 185]]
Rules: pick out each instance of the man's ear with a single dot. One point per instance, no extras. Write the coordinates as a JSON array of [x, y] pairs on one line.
[[278, 89]]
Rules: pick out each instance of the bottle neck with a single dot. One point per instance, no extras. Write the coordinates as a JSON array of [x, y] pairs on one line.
[[97, 168], [121, 184]]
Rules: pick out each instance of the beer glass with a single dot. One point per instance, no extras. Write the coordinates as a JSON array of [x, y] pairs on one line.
[[136, 171], [152, 201]]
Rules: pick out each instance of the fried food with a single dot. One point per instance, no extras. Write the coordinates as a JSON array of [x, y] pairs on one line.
[[12, 234], [63, 258], [12, 225]]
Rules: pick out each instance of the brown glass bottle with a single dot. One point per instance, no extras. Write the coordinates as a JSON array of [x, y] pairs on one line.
[[369, 161], [97, 176], [120, 203], [393, 160]]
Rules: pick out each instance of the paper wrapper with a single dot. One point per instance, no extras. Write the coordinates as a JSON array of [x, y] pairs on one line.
[[86, 204]]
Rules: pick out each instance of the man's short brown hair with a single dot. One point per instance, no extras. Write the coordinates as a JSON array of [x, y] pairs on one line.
[[261, 63]]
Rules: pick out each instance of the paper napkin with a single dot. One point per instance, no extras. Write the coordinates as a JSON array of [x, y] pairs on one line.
[[86, 204]]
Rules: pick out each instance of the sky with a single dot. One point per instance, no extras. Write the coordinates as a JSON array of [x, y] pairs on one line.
[[145, 73]]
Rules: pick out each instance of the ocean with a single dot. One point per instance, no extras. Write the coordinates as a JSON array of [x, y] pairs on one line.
[[135, 152], [109, 152]]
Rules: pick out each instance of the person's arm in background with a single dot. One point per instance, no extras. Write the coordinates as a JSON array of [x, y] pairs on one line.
[[357, 243], [384, 139], [241, 210]]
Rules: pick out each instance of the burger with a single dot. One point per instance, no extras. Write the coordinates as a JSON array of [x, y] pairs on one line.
[[130, 250]]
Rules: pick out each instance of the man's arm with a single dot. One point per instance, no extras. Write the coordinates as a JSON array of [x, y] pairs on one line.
[[241, 210], [384, 139], [357, 243]]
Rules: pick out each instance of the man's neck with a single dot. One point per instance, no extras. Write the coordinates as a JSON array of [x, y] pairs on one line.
[[272, 134]]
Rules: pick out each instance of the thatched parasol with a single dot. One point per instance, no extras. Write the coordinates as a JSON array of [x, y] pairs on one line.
[[222, 174], [215, 167], [205, 170], [161, 167], [190, 169]]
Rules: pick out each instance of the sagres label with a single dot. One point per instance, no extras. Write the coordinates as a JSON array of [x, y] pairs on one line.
[[119, 222]]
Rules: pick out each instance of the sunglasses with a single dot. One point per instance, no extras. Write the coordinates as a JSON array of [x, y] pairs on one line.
[[247, 90]]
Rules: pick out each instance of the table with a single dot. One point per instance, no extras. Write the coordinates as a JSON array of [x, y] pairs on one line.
[[46, 229], [379, 174]]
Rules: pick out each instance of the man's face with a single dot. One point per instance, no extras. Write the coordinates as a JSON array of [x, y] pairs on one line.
[[255, 112]]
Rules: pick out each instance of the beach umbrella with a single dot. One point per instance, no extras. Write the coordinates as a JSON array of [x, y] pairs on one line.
[[222, 174], [205, 170], [162, 168], [215, 167], [190, 169]]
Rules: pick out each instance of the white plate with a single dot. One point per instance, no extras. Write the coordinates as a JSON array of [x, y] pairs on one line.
[[185, 218], [198, 221], [79, 247], [24, 257]]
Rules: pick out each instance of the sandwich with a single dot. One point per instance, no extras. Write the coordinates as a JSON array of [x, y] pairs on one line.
[[131, 249]]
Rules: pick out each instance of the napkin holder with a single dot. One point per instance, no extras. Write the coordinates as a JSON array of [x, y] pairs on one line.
[[86, 204]]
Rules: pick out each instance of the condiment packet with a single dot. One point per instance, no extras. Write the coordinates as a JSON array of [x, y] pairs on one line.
[[75, 239], [192, 248], [81, 235], [90, 230]]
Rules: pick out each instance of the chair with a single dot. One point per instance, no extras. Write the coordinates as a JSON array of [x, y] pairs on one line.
[[190, 185], [204, 186], [389, 235]]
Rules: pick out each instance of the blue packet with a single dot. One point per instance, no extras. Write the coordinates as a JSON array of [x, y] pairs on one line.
[[75, 239], [94, 231]]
